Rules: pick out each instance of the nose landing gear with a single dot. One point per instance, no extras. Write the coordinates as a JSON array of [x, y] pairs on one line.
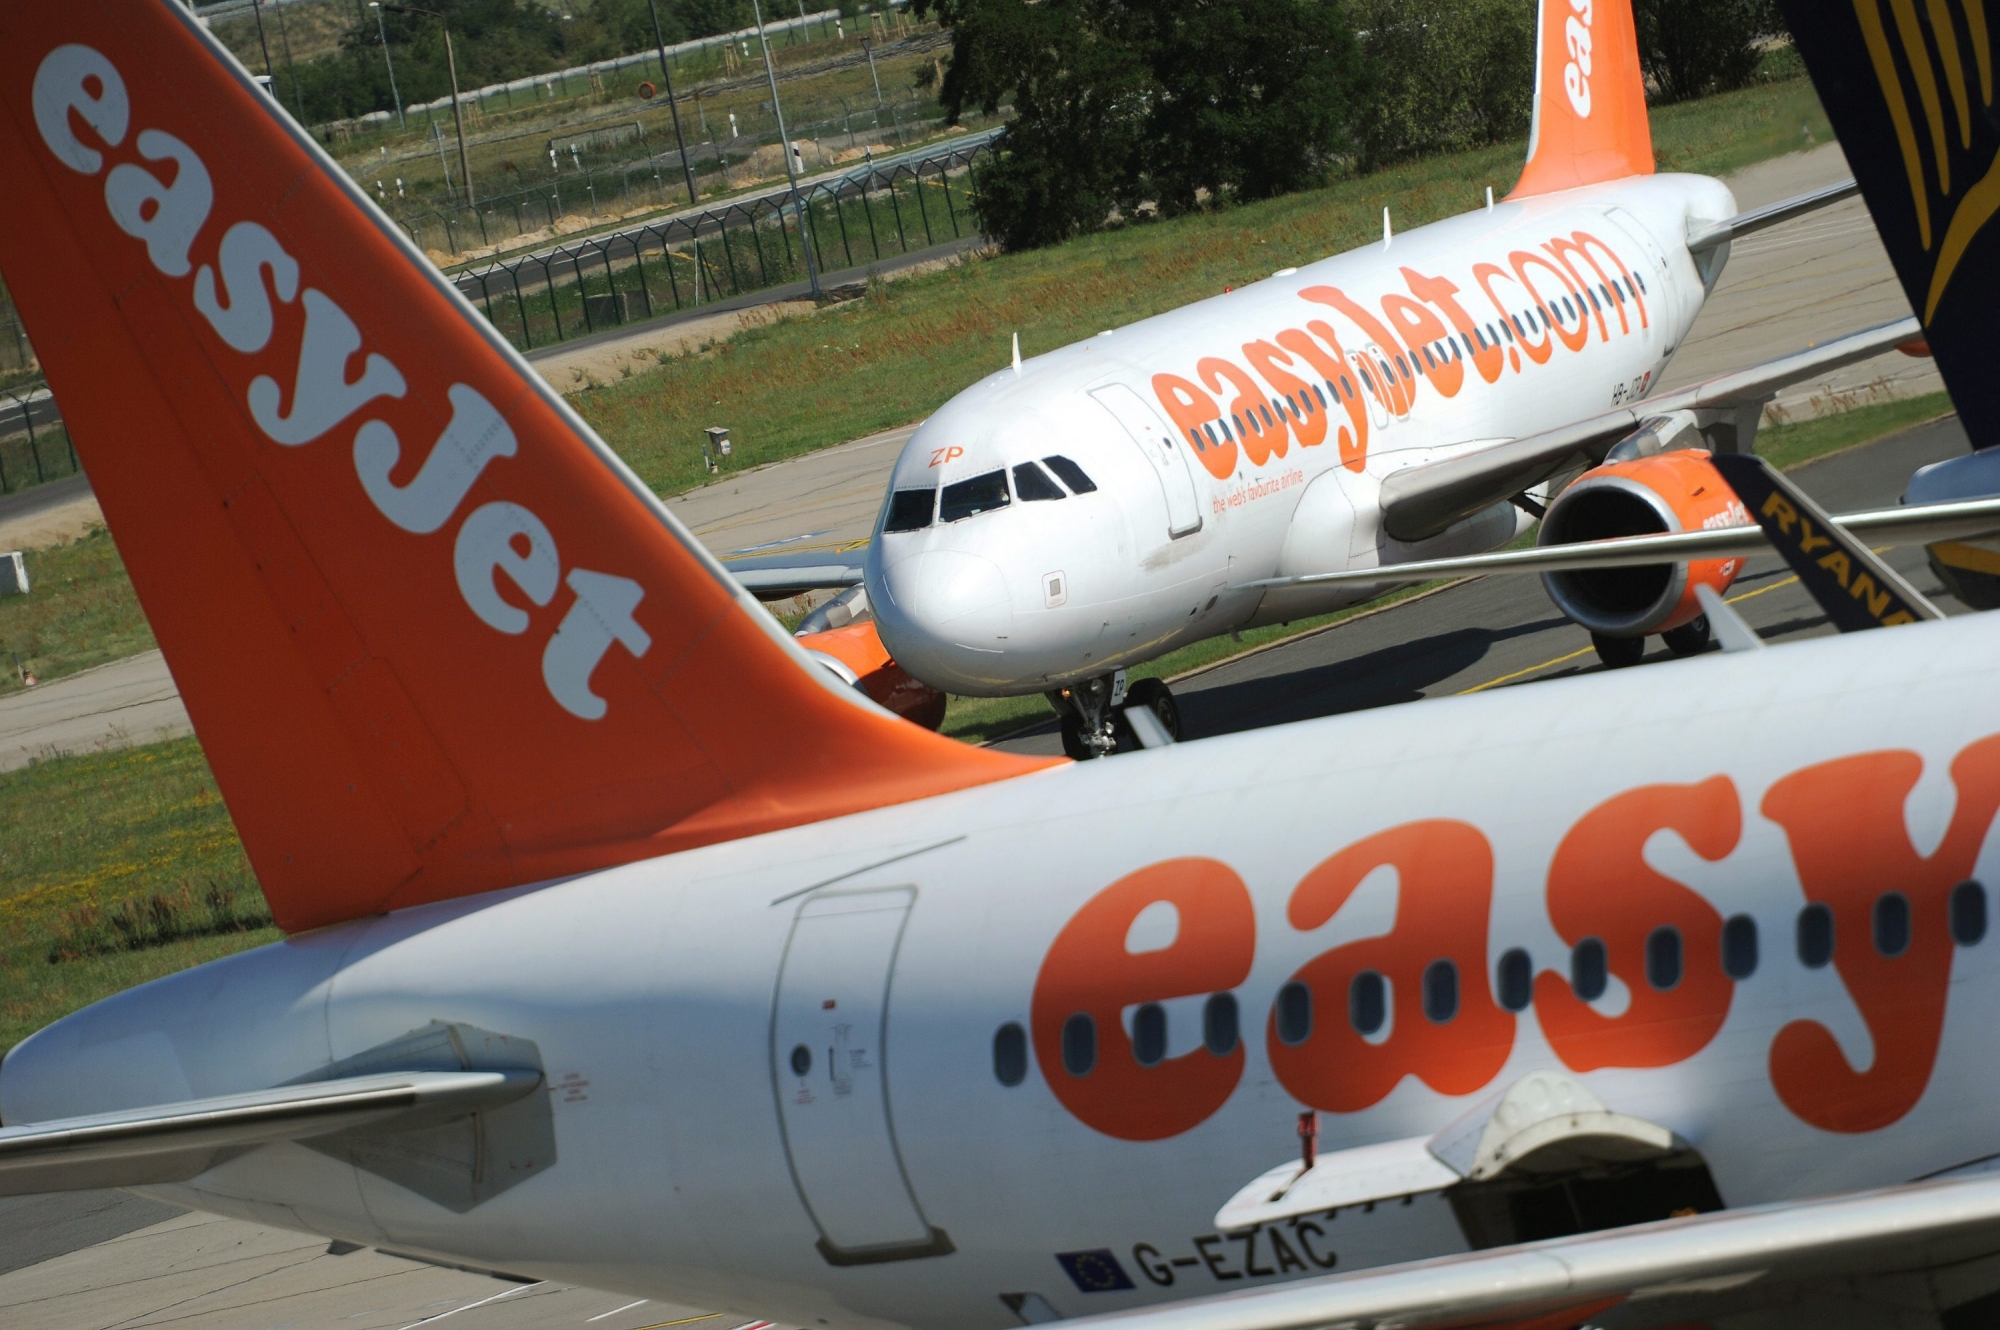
[[1098, 716]]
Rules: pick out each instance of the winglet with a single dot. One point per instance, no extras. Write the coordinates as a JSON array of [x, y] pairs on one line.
[[1590, 99], [434, 636]]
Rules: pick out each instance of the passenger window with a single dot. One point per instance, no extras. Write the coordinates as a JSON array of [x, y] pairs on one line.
[[1322, 396], [1589, 970], [1663, 957], [1815, 936], [1892, 923], [1149, 1034], [1516, 980], [1968, 913], [1033, 484], [1079, 1044], [1642, 283], [970, 498], [1295, 1013], [1010, 1054], [1367, 1002], [910, 510], [1219, 1024], [1739, 946], [1440, 991], [1070, 474]]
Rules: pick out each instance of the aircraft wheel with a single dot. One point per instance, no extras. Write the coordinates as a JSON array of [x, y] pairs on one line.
[[1691, 638], [1072, 740], [1157, 697], [1618, 652]]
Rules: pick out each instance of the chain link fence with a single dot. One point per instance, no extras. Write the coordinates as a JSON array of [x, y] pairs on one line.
[[880, 212], [34, 442]]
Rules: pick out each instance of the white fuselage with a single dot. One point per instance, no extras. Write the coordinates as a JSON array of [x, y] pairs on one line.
[[1247, 436], [766, 1054]]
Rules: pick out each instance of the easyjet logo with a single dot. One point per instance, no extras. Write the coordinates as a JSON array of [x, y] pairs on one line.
[[1427, 1000], [1576, 71], [1303, 386], [159, 191]]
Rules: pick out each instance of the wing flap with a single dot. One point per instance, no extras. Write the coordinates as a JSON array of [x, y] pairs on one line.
[[1730, 1253], [174, 1142], [1421, 501]]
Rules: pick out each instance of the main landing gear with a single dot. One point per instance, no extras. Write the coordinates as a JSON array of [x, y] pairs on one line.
[[1690, 639], [1102, 716]]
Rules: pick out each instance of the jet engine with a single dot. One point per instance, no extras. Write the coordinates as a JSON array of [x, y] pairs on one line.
[[854, 654], [1666, 492]]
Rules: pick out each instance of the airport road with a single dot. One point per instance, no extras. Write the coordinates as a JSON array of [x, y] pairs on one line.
[[1502, 632], [152, 1265]]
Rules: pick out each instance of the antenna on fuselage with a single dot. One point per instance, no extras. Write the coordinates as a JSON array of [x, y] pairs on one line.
[[1489, 198], [1385, 227], [1017, 353]]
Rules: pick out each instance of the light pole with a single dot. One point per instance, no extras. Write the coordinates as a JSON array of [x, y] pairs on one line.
[[785, 147], [451, 63], [257, 8], [667, 78], [868, 49], [383, 32]]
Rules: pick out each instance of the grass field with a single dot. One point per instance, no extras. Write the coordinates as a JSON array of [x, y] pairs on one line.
[[119, 867], [80, 611]]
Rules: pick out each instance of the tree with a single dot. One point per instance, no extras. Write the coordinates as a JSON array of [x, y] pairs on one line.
[[1447, 74], [1689, 48], [1120, 103]]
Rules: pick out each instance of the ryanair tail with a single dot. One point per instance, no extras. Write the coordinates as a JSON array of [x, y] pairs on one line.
[[435, 638], [1910, 90], [1590, 99]]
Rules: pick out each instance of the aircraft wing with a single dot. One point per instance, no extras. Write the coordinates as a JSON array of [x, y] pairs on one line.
[[1421, 501], [776, 576], [174, 1142], [1672, 1271], [1915, 525]]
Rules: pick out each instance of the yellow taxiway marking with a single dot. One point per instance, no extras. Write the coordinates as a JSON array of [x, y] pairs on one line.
[[685, 1320], [1559, 660]]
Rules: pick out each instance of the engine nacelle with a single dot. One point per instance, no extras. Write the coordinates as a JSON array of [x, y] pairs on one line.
[[1969, 569], [854, 654], [1667, 492]]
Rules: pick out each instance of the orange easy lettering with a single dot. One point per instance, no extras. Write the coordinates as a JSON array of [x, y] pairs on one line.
[[1844, 820], [1260, 442], [1421, 327], [1309, 428], [1522, 261], [1352, 438], [1601, 886], [1190, 409], [1444, 294], [1090, 973], [1400, 391], [1444, 895]]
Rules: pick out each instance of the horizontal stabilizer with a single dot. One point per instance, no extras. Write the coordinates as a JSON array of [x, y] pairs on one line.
[[1421, 501], [1965, 520], [1703, 1264], [1708, 235], [175, 1142]]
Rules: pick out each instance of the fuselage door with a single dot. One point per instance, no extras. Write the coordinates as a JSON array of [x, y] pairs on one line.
[[1156, 441], [829, 1068]]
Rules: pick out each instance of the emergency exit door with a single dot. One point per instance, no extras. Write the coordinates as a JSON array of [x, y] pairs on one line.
[[1168, 458], [829, 1069]]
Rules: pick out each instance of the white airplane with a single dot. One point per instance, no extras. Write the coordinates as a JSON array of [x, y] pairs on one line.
[[625, 946], [1202, 471]]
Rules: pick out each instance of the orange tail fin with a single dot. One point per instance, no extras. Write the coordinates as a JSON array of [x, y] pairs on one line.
[[435, 638], [1590, 99]]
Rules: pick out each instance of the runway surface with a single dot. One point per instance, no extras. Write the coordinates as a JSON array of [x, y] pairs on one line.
[[102, 1260], [1503, 632]]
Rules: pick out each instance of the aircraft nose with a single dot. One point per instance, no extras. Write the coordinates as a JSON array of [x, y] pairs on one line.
[[945, 617]]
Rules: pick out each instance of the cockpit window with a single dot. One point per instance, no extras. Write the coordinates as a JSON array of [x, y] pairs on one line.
[[910, 510], [1070, 474], [1033, 484], [969, 498]]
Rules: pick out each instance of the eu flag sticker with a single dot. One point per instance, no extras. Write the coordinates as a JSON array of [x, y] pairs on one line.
[[1095, 1271]]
